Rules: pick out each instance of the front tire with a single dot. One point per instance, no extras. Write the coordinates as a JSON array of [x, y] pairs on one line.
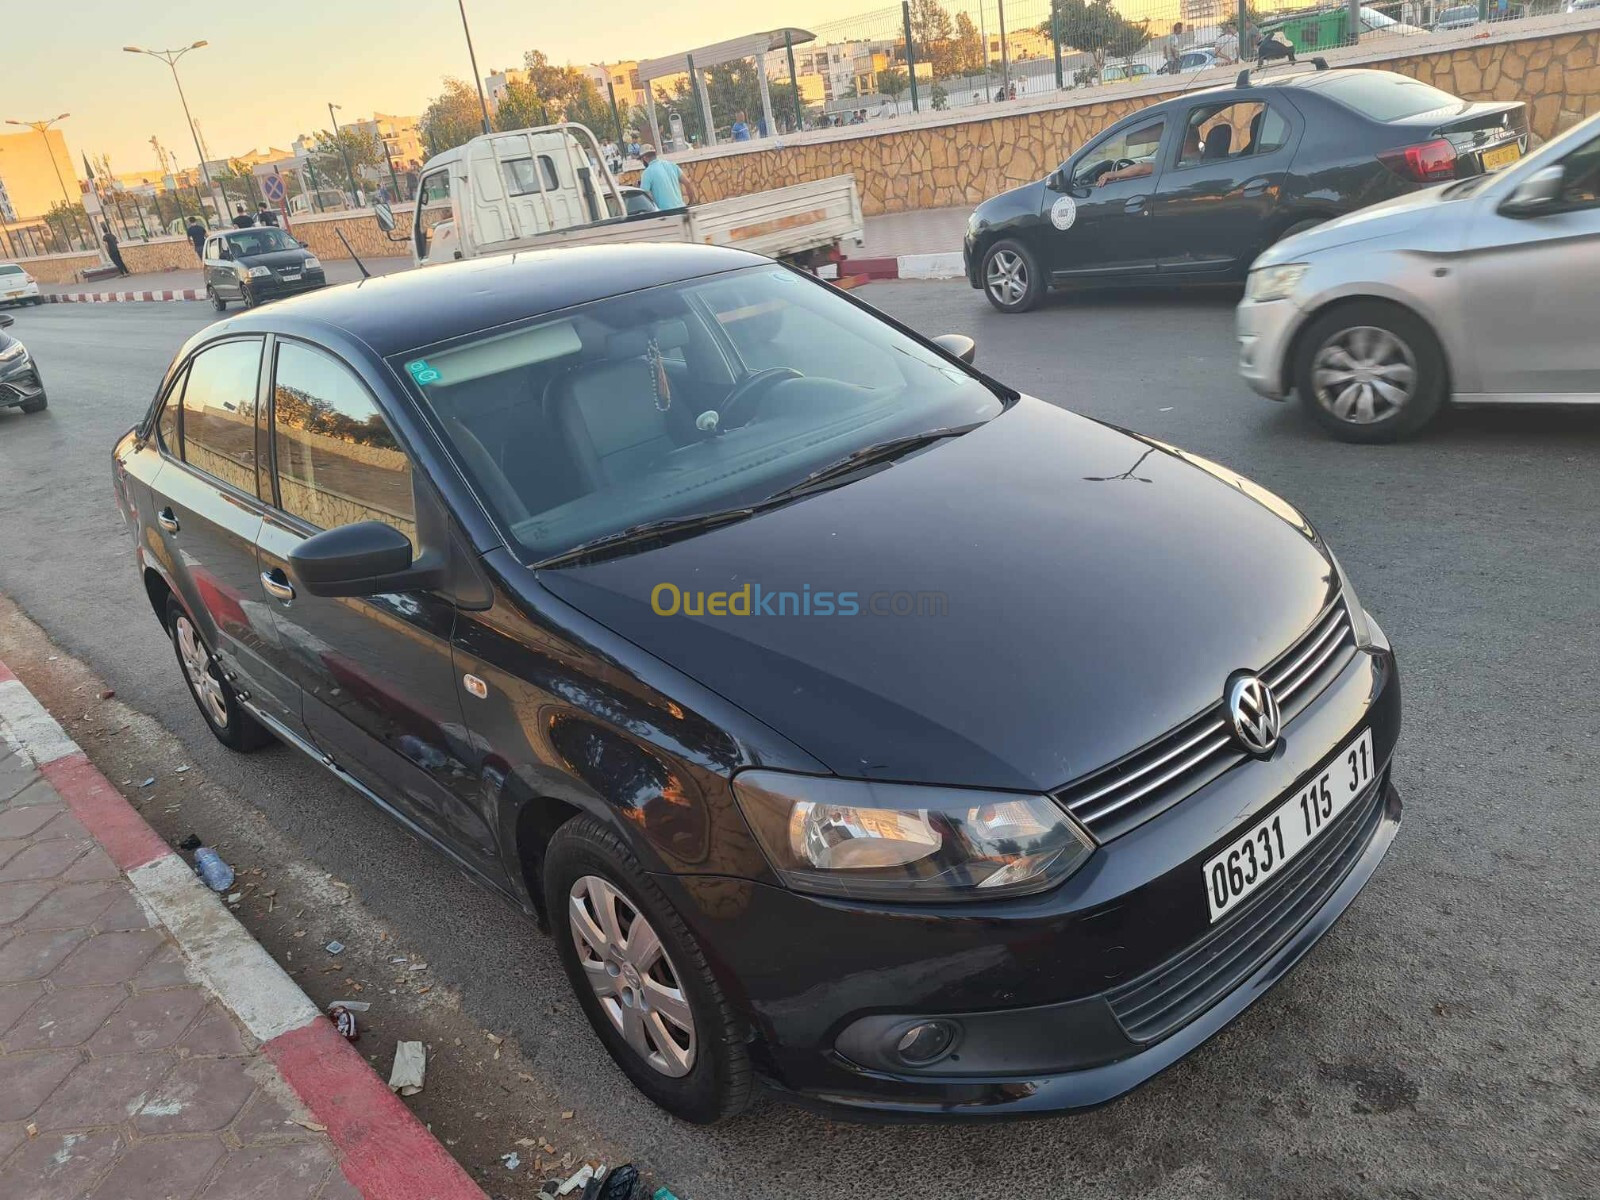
[[213, 694], [217, 302], [641, 978], [1012, 279], [1370, 372]]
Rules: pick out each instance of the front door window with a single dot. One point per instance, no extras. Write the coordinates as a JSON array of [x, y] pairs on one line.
[[1127, 154]]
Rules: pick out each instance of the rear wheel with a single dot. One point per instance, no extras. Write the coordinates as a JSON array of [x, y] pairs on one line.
[[1370, 372], [213, 694], [641, 979], [1012, 279]]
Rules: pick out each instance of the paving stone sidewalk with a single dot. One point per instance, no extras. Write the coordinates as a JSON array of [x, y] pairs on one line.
[[121, 1075]]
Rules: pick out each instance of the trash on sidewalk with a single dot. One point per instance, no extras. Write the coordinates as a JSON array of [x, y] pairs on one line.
[[344, 1021], [217, 874], [149, 782], [107, 693], [334, 947], [512, 1161], [575, 1181], [352, 1005], [662, 1193], [410, 1062], [618, 1185]]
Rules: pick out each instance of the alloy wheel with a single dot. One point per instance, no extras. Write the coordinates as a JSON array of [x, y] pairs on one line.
[[1364, 374], [632, 976], [1007, 277], [203, 674]]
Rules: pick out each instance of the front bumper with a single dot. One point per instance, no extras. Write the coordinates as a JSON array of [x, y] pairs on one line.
[[19, 385], [1264, 336], [1051, 993], [274, 288]]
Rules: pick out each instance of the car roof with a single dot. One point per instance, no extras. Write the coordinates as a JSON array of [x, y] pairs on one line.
[[391, 314]]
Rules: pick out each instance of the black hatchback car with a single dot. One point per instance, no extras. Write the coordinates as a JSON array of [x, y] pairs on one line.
[[1192, 189], [259, 264], [851, 720]]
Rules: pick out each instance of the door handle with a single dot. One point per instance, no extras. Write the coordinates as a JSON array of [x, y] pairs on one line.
[[1256, 186], [278, 587], [167, 521], [1134, 204]]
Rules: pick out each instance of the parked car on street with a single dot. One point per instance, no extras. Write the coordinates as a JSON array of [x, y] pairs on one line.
[[1201, 58], [1125, 72], [644, 581], [17, 286], [1482, 291], [1581, 5], [20, 385], [1191, 189], [1461, 16], [258, 264]]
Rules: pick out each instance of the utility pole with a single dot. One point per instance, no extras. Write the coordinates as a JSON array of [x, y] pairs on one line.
[[171, 57], [473, 56], [338, 140]]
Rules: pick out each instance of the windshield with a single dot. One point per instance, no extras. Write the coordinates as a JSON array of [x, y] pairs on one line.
[[261, 241], [679, 400]]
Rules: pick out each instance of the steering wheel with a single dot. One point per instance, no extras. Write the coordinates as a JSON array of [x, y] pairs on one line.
[[752, 384], [1122, 162]]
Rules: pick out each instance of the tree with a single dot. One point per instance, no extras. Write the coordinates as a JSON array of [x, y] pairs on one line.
[[969, 46], [1096, 28], [892, 82], [364, 149], [452, 118], [933, 35], [939, 97], [732, 87], [521, 107]]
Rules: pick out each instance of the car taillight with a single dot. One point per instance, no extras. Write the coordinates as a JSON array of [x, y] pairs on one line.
[[1429, 162]]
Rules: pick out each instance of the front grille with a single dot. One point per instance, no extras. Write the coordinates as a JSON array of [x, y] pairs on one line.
[[1156, 776], [1180, 989]]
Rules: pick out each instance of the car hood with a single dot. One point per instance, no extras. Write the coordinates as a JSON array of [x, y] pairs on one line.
[[1384, 219], [276, 259], [1073, 592], [1018, 202]]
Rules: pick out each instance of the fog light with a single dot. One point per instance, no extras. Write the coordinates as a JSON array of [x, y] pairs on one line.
[[926, 1043]]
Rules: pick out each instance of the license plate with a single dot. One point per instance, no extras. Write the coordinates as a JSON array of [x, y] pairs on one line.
[[291, 278], [1262, 853], [12, 295], [1501, 156]]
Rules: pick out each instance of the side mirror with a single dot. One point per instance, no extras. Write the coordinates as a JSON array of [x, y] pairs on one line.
[[957, 345], [304, 245], [385, 216], [1536, 194], [365, 559], [6, 320]]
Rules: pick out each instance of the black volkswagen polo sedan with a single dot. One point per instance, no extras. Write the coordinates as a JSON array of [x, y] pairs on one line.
[[259, 264], [1191, 189], [854, 723]]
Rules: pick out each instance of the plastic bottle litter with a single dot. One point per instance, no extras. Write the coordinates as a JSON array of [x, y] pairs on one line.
[[217, 874]]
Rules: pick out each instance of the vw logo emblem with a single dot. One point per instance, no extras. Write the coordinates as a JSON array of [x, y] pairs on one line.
[[1253, 714]]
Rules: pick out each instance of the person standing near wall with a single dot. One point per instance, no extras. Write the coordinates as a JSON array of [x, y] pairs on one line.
[[113, 251], [197, 237]]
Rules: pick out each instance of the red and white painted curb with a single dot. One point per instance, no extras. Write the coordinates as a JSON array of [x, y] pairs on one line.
[[905, 266], [123, 297], [388, 1153]]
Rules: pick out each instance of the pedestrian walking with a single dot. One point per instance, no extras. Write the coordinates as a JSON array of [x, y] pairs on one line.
[[197, 237], [112, 251], [242, 218], [663, 180], [265, 216], [741, 128]]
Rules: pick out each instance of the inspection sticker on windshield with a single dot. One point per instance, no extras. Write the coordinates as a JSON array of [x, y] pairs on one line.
[[1262, 853], [422, 372]]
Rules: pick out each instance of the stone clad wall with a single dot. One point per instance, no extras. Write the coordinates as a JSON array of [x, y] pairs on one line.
[[955, 161]]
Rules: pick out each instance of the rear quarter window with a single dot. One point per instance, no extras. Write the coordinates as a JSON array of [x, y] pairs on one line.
[[1384, 96]]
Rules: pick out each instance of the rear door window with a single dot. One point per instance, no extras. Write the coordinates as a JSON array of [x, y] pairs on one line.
[[219, 412], [1244, 129], [521, 180], [337, 460]]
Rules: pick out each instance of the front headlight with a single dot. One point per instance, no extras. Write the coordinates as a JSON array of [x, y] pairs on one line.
[[312, 263], [259, 272], [1274, 283], [905, 842], [15, 352]]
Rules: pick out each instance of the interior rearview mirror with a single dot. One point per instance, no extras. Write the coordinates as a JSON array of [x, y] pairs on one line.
[[385, 216], [368, 558], [958, 345], [1537, 193]]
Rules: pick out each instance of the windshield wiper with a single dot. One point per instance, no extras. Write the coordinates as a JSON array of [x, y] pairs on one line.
[[878, 452], [647, 531]]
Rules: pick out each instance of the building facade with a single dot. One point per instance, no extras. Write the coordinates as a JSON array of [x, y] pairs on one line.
[[36, 170]]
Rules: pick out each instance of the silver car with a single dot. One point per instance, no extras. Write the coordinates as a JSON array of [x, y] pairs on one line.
[[1482, 291]]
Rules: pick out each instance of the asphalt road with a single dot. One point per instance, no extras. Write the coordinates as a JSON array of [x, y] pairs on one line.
[[1439, 1042]]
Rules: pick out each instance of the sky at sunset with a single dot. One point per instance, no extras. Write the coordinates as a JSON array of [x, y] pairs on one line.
[[271, 68]]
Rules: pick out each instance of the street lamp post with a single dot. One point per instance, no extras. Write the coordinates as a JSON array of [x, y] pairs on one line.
[[472, 54], [171, 57], [42, 128], [355, 190]]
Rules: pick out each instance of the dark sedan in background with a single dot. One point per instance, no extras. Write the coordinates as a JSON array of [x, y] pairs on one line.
[[259, 264], [1192, 189], [647, 583], [20, 384]]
